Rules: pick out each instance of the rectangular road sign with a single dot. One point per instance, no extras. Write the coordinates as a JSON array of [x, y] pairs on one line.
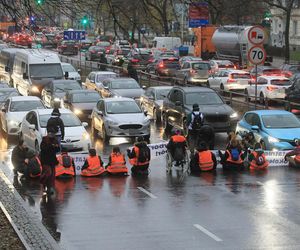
[[74, 35], [198, 14]]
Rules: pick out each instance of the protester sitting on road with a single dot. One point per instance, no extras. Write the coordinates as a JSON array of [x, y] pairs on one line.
[[19, 158], [203, 160], [65, 166], [93, 165], [34, 165], [139, 157], [177, 147], [194, 123], [258, 159], [117, 162], [56, 125], [250, 141], [207, 134], [293, 157], [233, 157]]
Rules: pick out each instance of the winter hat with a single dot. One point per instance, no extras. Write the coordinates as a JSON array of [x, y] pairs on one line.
[[55, 112], [195, 107]]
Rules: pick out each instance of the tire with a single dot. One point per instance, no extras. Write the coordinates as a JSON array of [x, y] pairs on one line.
[[157, 118], [263, 145], [94, 131], [36, 147], [166, 125], [261, 99], [104, 135]]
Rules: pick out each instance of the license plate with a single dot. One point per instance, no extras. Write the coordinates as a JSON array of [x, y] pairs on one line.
[[68, 145], [131, 131]]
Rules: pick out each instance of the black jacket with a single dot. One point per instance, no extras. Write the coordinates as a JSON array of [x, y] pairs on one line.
[[49, 148], [18, 156], [56, 125]]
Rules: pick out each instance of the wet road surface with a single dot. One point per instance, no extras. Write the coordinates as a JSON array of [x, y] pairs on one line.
[[236, 210]]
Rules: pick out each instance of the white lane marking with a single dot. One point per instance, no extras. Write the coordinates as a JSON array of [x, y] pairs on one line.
[[208, 233], [147, 192]]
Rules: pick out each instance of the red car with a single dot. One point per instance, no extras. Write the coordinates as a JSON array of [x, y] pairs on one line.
[[24, 40], [68, 47]]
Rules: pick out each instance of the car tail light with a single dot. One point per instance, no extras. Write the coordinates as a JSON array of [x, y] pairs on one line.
[[151, 60], [76, 46], [107, 51], [93, 51], [271, 88], [64, 46], [161, 65], [192, 71], [230, 80], [172, 59], [135, 60]]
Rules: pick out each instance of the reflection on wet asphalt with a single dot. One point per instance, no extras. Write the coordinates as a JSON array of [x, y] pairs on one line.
[[237, 210]]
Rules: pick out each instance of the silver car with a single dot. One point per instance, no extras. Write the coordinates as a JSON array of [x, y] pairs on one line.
[[119, 117]]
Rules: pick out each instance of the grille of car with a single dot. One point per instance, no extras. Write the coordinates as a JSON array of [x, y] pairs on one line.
[[69, 141], [216, 118], [130, 126]]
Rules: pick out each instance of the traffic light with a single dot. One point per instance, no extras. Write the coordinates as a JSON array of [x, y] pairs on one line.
[[84, 20], [39, 2]]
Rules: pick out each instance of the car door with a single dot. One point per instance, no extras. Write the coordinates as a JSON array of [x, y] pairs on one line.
[[258, 134], [215, 80], [47, 94], [105, 89], [90, 81], [98, 115], [181, 74], [3, 113], [27, 133], [148, 95], [169, 104], [245, 124]]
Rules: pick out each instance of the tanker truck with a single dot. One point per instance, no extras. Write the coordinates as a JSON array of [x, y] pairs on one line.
[[231, 43]]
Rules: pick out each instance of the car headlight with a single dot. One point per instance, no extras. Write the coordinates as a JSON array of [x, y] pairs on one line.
[[56, 99], [111, 123], [146, 120], [77, 111], [13, 123], [35, 89], [272, 139], [85, 136], [234, 115]]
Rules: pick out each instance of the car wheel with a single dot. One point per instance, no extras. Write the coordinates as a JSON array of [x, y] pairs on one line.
[[263, 145], [247, 99], [261, 99], [94, 131], [156, 117], [37, 147], [166, 125], [104, 135]]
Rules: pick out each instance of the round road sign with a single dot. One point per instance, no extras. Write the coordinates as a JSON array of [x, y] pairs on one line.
[[256, 35], [257, 55]]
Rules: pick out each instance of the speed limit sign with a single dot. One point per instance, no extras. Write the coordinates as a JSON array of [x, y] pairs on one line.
[[257, 55]]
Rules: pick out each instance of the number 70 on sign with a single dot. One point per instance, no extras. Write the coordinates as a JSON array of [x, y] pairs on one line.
[[257, 55]]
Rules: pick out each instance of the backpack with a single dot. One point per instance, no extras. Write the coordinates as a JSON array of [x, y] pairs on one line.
[[66, 161], [34, 167], [144, 154], [259, 159], [235, 154], [178, 154], [51, 127], [197, 121]]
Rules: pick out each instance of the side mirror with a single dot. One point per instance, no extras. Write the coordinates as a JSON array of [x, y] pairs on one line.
[[92, 81], [255, 128], [66, 75], [178, 104], [6, 69], [31, 126], [25, 76], [144, 87], [85, 124], [66, 101], [79, 71], [106, 88], [99, 112], [146, 113], [3, 110], [228, 102]]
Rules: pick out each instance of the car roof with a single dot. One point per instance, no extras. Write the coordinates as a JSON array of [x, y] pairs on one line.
[[197, 61], [237, 71], [25, 98], [82, 91], [113, 99], [64, 81], [274, 77], [49, 111], [161, 87], [270, 112], [104, 72], [120, 79], [195, 89]]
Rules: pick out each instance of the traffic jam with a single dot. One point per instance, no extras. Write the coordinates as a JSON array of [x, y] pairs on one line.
[[114, 144]]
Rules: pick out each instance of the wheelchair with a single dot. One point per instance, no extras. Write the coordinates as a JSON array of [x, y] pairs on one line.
[[184, 163]]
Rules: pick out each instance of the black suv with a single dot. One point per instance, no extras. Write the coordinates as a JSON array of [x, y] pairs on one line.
[[293, 93], [178, 104]]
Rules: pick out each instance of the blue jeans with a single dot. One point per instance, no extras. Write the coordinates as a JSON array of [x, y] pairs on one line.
[[58, 138]]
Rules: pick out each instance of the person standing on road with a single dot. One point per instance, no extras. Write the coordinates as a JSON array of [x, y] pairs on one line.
[[117, 162], [49, 147], [93, 165], [293, 157], [132, 72], [207, 135], [194, 123], [103, 62], [56, 125], [139, 157], [19, 158]]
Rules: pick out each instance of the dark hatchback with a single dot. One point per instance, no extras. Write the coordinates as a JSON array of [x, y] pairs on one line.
[[167, 66], [68, 47], [94, 53], [179, 102], [82, 102], [293, 94]]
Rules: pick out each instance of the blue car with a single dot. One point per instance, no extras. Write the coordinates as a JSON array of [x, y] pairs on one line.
[[274, 129]]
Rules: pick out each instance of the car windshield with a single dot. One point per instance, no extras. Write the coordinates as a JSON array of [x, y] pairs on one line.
[[201, 66], [103, 44], [123, 107], [7, 93], [127, 84], [96, 48], [271, 71], [284, 82], [21, 106], [102, 77], [68, 68], [69, 120], [162, 93], [171, 63], [123, 52], [53, 70], [85, 97], [63, 87], [241, 76], [225, 64], [280, 121], [294, 69], [203, 98]]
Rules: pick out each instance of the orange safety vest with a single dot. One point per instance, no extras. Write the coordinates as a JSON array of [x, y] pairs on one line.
[[95, 167], [255, 166], [40, 165], [134, 161], [239, 161], [61, 170], [178, 138], [117, 164], [205, 160]]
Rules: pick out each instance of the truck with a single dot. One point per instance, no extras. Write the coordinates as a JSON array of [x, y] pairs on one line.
[[165, 43]]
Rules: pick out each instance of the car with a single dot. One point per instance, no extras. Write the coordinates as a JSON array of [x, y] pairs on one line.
[[24, 39], [274, 129], [34, 124], [184, 59], [178, 104], [230, 80], [81, 102], [152, 100], [194, 72], [121, 86], [94, 53], [266, 71], [167, 66], [217, 65], [73, 74], [290, 69], [95, 78], [119, 117], [54, 92], [85, 44], [268, 87], [13, 111], [48, 40], [293, 94], [7, 92], [115, 57], [105, 46], [139, 59], [68, 48]]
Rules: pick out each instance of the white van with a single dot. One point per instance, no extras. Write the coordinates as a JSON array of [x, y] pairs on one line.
[[166, 43], [7, 57], [33, 69]]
